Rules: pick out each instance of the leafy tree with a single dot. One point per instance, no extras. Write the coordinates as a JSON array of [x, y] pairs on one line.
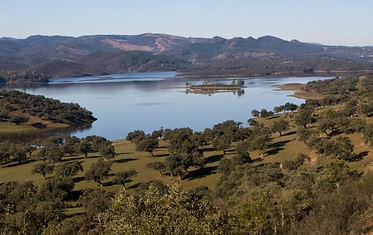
[[85, 147], [260, 143], [305, 134], [98, 171], [43, 169], [95, 201], [181, 141], [107, 150], [158, 134], [70, 145], [368, 134], [335, 172], [243, 155], [147, 145], [123, 176], [280, 126], [18, 120], [52, 152], [69, 169], [264, 113], [343, 148], [290, 107], [158, 166], [366, 109], [178, 164], [135, 136], [56, 188], [255, 113], [221, 143], [5, 151], [19, 152], [304, 117]]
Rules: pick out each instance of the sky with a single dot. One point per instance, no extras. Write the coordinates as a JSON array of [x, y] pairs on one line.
[[329, 22]]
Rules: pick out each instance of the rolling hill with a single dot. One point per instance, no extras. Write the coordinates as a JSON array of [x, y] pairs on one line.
[[61, 56]]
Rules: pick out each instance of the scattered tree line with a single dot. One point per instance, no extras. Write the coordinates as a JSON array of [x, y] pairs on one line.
[[316, 193]]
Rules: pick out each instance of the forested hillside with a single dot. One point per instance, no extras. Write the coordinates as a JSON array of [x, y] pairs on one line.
[[37, 111], [295, 170], [61, 56]]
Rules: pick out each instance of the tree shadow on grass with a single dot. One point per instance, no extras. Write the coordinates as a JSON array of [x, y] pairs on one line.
[[134, 186], [14, 164], [289, 133], [213, 158], [74, 195], [277, 147], [161, 155], [358, 157], [125, 160], [202, 172], [207, 149], [78, 179], [274, 151]]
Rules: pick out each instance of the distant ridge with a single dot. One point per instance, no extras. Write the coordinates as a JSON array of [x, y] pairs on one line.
[[61, 56]]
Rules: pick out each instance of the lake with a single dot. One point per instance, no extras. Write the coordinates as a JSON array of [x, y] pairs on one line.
[[148, 101]]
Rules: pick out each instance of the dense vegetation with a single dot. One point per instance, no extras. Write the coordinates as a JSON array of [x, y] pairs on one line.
[[12, 76], [37, 111], [295, 170]]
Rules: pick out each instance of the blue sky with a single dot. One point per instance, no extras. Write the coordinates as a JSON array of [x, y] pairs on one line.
[[331, 22]]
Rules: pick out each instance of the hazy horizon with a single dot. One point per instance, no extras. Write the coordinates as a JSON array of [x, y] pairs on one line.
[[343, 22]]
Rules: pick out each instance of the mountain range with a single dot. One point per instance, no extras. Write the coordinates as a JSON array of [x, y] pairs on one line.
[[63, 56]]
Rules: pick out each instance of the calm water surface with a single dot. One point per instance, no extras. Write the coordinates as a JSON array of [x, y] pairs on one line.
[[149, 101]]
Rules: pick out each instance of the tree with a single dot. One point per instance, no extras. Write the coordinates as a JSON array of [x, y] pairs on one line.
[[181, 141], [178, 164], [107, 150], [95, 201], [221, 143], [19, 152], [304, 117], [70, 145], [18, 120], [135, 136], [335, 172], [85, 147], [242, 153], [368, 134], [69, 169], [147, 145], [280, 126], [56, 188], [264, 113], [123, 176], [290, 107], [51, 151], [255, 113], [158, 166], [98, 171], [43, 169], [260, 140], [305, 134], [343, 148]]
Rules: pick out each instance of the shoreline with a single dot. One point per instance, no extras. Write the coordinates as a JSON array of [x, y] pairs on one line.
[[238, 74]]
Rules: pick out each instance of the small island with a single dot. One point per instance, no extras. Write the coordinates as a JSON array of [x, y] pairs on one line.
[[208, 87]]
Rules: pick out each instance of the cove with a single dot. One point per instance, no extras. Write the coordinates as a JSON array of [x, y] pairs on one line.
[[149, 101]]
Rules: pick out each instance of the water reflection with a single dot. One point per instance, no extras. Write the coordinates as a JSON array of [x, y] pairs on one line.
[[148, 101]]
